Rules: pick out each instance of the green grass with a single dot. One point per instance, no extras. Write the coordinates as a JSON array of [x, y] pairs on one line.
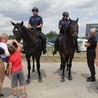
[[48, 57], [50, 49]]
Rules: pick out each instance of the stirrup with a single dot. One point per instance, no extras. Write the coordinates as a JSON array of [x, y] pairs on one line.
[[44, 51]]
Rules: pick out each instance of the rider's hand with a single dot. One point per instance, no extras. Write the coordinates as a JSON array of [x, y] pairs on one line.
[[29, 26]]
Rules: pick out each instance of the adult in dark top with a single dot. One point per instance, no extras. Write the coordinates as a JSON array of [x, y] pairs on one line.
[[91, 45], [97, 50], [36, 23]]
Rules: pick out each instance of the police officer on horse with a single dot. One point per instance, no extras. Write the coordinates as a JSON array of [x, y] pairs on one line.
[[64, 21], [36, 23]]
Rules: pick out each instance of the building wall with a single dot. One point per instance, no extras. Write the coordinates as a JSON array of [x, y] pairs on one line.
[[89, 26]]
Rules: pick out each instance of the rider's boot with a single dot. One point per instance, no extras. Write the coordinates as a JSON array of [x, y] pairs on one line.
[[43, 40], [76, 45], [55, 47], [44, 46]]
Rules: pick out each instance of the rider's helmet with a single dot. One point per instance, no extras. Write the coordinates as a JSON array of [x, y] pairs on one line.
[[35, 9], [65, 14]]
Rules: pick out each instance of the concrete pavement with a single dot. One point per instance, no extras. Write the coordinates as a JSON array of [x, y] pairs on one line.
[[51, 87]]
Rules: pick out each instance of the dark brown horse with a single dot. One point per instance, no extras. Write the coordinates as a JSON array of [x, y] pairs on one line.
[[2, 70], [67, 47], [2, 73], [33, 46]]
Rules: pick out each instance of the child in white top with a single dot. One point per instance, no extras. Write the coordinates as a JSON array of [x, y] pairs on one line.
[[3, 45]]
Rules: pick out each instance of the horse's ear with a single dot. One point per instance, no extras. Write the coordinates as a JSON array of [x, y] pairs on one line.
[[13, 23], [70, 20], [77, 19], [21, 23]]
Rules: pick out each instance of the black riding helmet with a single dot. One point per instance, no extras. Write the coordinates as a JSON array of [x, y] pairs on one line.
[[35, 9], [65, 14]]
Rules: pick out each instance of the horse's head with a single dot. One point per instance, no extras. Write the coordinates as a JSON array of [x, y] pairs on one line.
[[17, 31], [74, 27]]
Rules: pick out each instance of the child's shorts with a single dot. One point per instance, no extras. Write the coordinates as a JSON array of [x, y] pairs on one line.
[[17, 77]]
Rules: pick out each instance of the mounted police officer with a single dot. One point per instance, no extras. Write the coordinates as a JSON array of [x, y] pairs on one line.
[[36, 23], [64, 21]]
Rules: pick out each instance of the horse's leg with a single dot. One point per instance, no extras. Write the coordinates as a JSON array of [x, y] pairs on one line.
[[63, 72], [29, 68], [67, 65], [38, 68], [2, 73], [69, 73], [61, 65], [33, 68]]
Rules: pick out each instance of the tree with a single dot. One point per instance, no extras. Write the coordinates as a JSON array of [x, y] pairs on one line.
[[11, 37], [51, 34]]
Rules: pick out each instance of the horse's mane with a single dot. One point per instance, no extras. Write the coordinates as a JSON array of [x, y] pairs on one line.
[[29, 30], [68, 31], [29, 35]]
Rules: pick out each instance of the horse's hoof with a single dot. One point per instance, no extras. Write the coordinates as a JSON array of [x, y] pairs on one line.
[[62, 79], [69, 78], [40, 80], [27, 82], [33, 70]]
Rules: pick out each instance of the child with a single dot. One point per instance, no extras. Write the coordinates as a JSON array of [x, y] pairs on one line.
[[3, 45], [91, 45], [15, 69]]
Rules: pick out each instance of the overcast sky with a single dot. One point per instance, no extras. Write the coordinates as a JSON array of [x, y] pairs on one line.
[[50, 10]]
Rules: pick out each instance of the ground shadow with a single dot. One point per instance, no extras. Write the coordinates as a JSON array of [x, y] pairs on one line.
[[93, 87], [34, 75], [59, 72], [85, 75], [7, 92]]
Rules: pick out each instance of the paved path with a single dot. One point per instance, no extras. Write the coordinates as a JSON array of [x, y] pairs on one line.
[[51, 87]]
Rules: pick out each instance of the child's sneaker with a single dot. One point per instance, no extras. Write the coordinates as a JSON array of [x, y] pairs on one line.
[[1, 95], [24, 96], [15, 97]]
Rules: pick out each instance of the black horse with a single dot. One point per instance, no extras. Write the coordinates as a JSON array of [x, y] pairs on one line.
[[67, 47], [33, 46], [23, 52]]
